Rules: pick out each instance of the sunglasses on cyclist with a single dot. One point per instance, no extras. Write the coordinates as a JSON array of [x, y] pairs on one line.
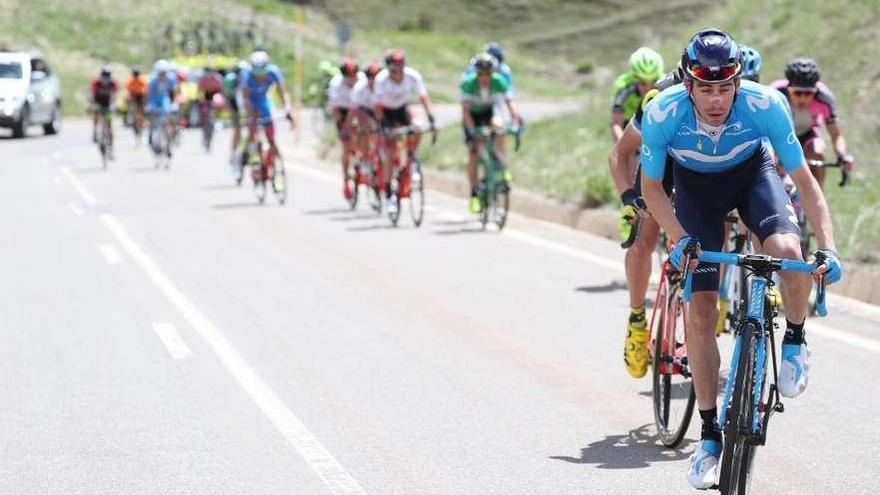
[[714, 74], [803, 91]]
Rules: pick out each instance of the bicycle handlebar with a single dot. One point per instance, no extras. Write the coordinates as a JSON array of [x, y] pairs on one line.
[[758, 261], [492, 132], [412, 129], [844, 173]]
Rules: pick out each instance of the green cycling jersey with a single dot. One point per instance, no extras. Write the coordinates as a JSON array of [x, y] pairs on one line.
[[481, 99], [626, 95]]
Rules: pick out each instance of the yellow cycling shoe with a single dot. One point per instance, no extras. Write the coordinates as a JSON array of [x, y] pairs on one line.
[[721, 324], [475, 205], [635, 348]]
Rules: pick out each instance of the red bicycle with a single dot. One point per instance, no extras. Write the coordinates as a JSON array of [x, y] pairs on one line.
[[267, 168], [673, 390], [368, 172], [408, 182]]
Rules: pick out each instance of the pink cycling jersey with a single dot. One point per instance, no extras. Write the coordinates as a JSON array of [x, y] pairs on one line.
[[807, 122]]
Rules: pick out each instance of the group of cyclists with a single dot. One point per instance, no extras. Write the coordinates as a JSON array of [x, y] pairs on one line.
[[690, 147], [155, 99]]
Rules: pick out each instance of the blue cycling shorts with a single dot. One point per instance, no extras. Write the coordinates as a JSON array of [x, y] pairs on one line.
[[263, 110], [754, 189]]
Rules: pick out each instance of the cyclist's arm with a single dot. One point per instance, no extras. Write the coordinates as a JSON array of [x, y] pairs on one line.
[[285, 97], [468, 118], [837, 138], [512, 108], [246, 96], [617, 125], [618, 160], [815, 206], [426, 102]]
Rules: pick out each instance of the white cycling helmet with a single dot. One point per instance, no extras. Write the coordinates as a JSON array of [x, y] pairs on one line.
[[161, 66], [259, 61]]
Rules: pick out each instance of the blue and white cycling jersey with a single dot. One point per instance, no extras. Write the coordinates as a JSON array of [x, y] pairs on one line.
[[159, 94], [259, 89], [669, 126]]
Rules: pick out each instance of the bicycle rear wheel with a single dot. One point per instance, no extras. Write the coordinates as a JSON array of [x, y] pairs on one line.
[[416, 193], [738, 453], [673, 390]]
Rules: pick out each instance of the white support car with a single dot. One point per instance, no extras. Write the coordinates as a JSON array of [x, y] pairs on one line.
[[30, 93]]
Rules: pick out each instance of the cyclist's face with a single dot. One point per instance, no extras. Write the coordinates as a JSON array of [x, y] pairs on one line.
[[801, 97], [713, 101], [644, 87], [396, 72], [484, 77]]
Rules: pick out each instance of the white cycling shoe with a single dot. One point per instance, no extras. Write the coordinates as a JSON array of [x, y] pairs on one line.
[[704, 464], [794, 371], [391, 205]]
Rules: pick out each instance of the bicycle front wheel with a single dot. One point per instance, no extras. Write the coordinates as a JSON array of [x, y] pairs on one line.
[[417, 193], [738, 453], [501, 204], [673, 390]]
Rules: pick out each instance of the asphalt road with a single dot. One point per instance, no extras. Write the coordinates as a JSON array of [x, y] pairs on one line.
[[162, 333]]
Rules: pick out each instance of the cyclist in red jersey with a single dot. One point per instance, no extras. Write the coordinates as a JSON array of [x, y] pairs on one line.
[[812, 104]]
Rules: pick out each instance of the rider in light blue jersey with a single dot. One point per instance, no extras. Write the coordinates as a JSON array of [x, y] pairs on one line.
[[162, 97], [713, 126], [255, 82]]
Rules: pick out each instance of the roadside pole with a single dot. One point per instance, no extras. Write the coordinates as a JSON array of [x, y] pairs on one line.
[[298, 74]]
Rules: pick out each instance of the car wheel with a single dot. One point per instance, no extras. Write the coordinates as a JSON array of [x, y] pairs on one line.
[[54, 125], [20, 128]]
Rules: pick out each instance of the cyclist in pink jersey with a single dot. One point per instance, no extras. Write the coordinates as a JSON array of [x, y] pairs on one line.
[[812, 104]]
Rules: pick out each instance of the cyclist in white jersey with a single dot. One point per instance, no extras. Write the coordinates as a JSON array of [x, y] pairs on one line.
[[395, 87], [340, 93]]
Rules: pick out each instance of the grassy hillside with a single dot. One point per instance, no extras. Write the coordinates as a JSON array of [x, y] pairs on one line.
[[556, 48]]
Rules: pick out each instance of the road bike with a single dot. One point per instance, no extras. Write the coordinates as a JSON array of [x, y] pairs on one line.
[[160, 141], [368, 172], [408, 182], [267, 167], [493, 187], [747, 402], [104, 137]]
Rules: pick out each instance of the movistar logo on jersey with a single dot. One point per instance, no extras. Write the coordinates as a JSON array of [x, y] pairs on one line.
[[754, 103], [656, 115]]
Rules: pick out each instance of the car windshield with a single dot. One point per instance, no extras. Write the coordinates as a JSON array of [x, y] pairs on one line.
[[10, 70]]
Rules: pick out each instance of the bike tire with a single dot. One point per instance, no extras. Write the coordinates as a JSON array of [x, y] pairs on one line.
[[670, 429], [279, 170], [417, 193], [739, 419], [355, 189], [501, 204], [394, 217]]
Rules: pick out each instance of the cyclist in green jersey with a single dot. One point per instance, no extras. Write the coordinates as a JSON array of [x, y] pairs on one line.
[[645, 68], [231, 94], [479, 92]]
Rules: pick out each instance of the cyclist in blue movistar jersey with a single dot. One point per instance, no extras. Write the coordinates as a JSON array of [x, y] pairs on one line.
[[163, 96], [255, 82], [712, 126]]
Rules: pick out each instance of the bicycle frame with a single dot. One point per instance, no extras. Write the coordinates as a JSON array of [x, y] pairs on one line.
[[670, 276]]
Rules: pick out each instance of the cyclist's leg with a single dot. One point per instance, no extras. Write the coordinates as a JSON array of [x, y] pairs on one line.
[[343, 133]]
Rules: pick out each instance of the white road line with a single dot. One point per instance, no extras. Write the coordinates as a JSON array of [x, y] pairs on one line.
[[315, 454], [172, 340], [110, 254], [80, 188], [815, 328], [76, 209]]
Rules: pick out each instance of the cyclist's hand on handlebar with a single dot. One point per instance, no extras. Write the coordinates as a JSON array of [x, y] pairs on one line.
[[630, 198], [685, 245], [829, 265], [847, 163]]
